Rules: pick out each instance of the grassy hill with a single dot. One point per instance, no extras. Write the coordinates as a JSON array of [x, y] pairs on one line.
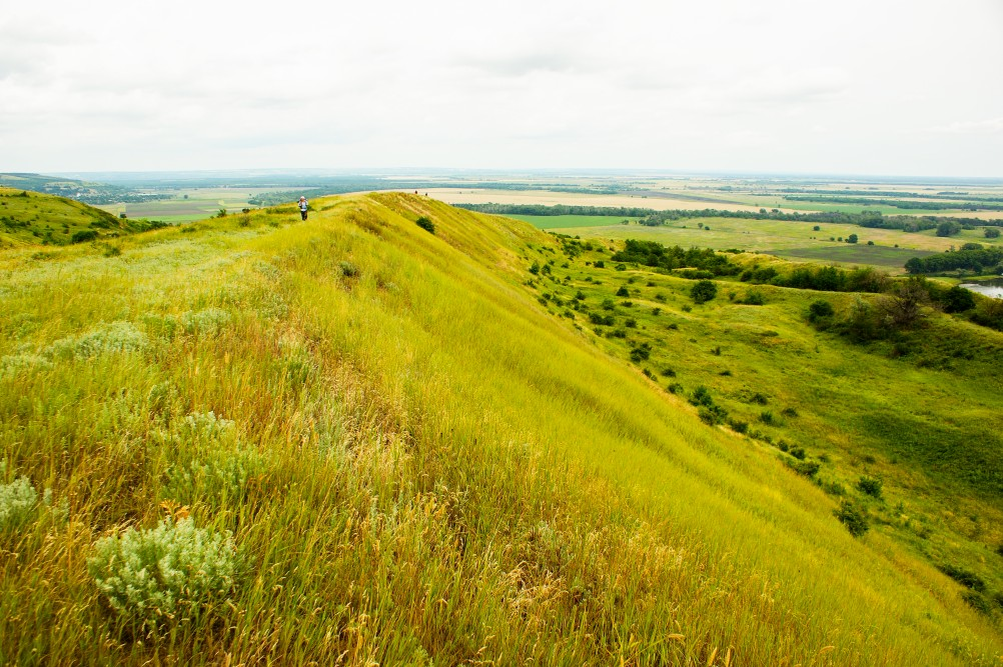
[[32, 218], [352, 441]]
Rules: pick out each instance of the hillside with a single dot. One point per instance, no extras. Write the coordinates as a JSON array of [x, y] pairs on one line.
[[405, 447], [32, 217]]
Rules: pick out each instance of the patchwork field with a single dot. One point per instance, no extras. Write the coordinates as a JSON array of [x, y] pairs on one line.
[[188, 205], [770, 236]]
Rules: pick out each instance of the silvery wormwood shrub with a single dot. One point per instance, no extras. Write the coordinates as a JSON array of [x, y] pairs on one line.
[[173, 571], [17, 502], [109, 337]]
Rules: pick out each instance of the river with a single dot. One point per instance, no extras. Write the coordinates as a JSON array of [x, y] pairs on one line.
[[993, 288]]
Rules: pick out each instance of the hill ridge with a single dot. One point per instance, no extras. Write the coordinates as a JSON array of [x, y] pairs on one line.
[[425, 465]]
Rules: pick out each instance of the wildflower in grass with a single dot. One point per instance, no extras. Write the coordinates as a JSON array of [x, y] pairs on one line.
[[17, 502], [165, 573]]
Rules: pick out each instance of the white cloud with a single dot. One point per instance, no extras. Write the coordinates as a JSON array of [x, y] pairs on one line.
[[719, 84]]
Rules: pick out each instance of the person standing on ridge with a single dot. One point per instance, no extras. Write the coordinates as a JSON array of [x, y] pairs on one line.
[[303, 207]]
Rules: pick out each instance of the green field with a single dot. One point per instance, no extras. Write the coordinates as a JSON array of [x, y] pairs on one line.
[[414, 448]]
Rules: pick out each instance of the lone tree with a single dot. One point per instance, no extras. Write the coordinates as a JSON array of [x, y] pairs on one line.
[[948, 228], [903, 307], [958, 300], [703, 291]]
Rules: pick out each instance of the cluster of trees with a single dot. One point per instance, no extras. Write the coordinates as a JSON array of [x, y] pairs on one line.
[[651, 253], [870, 219], [829, 195], [823, 278], [980, 260], [971, 205]]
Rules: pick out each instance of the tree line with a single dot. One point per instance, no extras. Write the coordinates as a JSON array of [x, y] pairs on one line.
[[980, 260], [970, 205]]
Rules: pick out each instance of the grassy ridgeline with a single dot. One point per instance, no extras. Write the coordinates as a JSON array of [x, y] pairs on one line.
[[422, 466]]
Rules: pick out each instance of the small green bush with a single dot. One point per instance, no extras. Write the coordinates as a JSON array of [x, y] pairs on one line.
[[833, 488], [966, 578], [426, 223], [738, 426], [807, 468], [83, 235], [640, 352], [853, 518], [820, 309], [870, 485], [977, 601], [623, 291], [701, 396], [168, 573], [712, 414], [703, 291]]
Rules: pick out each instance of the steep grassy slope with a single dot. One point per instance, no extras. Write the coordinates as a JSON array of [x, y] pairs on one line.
[[419, 465], [33, 217], [914, 418]]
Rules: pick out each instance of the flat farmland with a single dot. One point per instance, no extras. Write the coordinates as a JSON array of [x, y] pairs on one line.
[[548, 198], [188, 205]]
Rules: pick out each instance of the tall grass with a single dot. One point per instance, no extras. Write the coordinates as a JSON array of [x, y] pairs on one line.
[[417, 463]]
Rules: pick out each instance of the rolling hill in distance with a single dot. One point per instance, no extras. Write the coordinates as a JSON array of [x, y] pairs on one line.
[[406, 433]]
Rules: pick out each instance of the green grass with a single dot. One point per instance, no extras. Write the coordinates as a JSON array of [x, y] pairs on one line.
[[422, 464], [35, 218]]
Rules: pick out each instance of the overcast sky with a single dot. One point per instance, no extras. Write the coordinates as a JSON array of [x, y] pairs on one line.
[[882, 87]]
